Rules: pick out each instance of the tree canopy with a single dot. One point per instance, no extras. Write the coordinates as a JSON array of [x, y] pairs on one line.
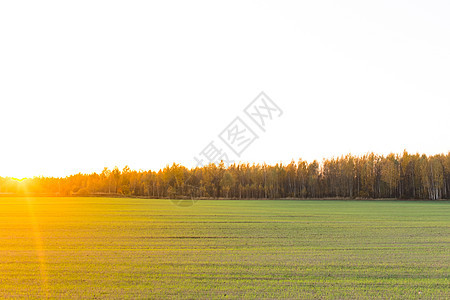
[[408, 176]]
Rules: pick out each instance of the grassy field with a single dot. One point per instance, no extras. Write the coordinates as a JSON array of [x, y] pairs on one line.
[[140, 248]]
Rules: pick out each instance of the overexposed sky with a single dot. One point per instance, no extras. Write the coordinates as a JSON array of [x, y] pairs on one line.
[[89, 84]]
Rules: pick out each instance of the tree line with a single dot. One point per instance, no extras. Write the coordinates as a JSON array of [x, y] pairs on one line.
[[403, 176]]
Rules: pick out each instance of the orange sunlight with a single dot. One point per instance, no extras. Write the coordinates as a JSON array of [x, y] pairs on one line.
[[38, 241]]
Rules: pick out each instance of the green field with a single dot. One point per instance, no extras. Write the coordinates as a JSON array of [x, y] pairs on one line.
[[141, 248]]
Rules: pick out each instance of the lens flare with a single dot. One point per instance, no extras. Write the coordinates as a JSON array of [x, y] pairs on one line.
[[39, 247]]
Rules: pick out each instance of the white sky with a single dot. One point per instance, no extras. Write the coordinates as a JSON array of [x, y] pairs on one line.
[[89, 84]]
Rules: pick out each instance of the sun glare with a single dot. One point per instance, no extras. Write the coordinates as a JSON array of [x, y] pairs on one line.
[[19, 179]]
